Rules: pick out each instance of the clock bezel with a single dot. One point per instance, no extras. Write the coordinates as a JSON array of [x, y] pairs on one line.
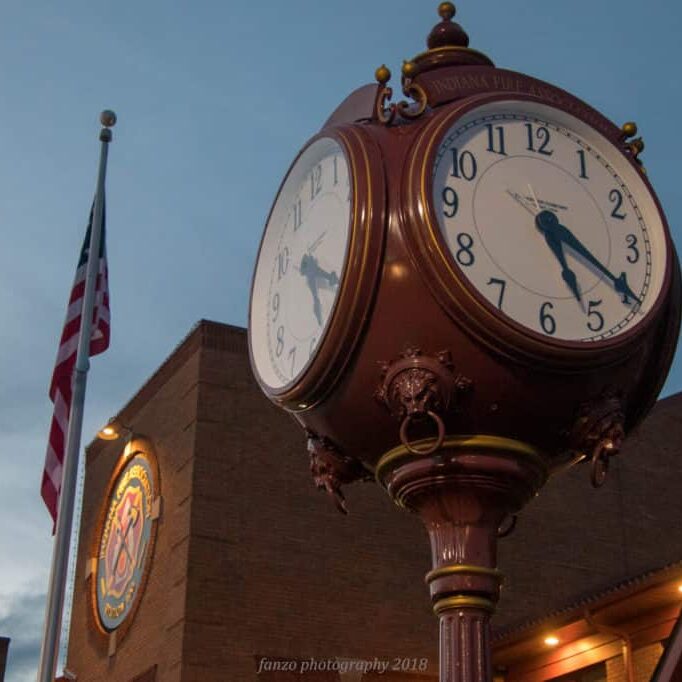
[[451, 287], [366, 238]]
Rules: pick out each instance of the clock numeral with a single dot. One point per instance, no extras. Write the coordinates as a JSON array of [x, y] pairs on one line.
[[315, 181], [465, 256], [282, 262], [292, 358], [313, 341], [450, 200], [502, 284], [336, 170], [547, 322], [631, 241], [616, 198], [463, 165], [596, 324], [499, 147], [280, 341], [297, 214], [583, 164], [543, 137], [275, 307]]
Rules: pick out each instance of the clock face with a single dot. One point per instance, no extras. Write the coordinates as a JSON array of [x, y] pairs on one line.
[[548, 221], [301, 263]]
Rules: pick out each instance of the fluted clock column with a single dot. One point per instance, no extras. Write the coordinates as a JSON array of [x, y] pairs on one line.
[[463, 493]]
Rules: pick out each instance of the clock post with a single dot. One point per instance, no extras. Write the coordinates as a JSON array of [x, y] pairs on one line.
[[458, 295], [463, 492]]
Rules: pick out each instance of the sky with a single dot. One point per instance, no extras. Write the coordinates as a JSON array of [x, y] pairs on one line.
[[214, 100]]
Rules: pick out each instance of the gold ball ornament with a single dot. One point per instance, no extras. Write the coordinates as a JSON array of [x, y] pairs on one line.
[[383, 74], [409, 69], [629, 129], [107, 118], [446, 10]]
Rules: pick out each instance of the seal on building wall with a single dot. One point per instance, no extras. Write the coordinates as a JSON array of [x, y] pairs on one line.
[[125, 538]]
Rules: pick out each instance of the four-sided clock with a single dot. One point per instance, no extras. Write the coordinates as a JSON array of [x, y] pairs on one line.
[[461, 294], [316, 268]]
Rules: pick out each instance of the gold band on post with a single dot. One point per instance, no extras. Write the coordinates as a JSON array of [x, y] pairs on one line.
[[469, 444], [463, 602], [453, 569]]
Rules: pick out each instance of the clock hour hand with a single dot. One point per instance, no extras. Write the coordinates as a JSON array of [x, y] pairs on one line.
[[312, 267], [331, 277], [548, 222]]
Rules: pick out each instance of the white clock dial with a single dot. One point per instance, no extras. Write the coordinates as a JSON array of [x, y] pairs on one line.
[[548, 221], [301, 263]]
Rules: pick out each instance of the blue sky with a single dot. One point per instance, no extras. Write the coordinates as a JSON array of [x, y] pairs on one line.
[[214, 100]]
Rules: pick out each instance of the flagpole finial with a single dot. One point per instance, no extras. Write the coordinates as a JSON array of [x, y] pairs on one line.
[[107, 118]]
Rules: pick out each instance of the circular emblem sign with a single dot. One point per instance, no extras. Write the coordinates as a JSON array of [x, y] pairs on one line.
[[126, 539]]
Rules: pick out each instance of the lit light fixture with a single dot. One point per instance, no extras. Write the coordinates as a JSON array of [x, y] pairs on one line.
[[679, 587], [551, 640], [113, 430]]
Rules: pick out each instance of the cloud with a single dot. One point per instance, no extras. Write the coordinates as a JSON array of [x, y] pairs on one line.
[[21, 619]]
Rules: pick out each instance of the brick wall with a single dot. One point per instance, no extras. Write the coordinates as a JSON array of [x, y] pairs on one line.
[[644, 659], [157, 633], [573, 539]]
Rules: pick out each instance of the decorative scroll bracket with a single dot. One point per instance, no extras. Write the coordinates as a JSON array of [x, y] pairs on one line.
[[635, 146], [331, 469], [598, 432], [417, 387], [385, 111]]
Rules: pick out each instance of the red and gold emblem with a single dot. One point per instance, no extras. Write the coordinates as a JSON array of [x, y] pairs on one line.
[[125, 539]]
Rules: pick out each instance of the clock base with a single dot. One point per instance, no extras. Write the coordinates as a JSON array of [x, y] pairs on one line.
[[463, 492]]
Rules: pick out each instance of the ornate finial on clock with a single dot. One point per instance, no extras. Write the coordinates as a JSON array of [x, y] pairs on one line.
[[448, 45], [447, 33]]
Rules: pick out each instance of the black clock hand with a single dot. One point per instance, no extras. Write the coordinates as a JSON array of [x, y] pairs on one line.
[[308, 270], [566, 273], [547, 221], [331, 277], [317, 306], [557, 249], [316, 271]]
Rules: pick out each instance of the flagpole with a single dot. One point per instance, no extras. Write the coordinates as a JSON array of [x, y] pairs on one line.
[[60, 551]]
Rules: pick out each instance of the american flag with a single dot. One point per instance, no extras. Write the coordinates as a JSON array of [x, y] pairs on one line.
[[62, 376]]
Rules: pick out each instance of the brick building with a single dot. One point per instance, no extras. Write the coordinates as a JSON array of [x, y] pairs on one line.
[[4, 647], [253, 574]]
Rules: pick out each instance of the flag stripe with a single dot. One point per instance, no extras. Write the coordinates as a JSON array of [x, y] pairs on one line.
[[62, 376]]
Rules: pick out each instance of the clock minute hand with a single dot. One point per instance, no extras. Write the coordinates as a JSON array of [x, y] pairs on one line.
[[308, 270], [567, 237], [547, 223], [567, 274]]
